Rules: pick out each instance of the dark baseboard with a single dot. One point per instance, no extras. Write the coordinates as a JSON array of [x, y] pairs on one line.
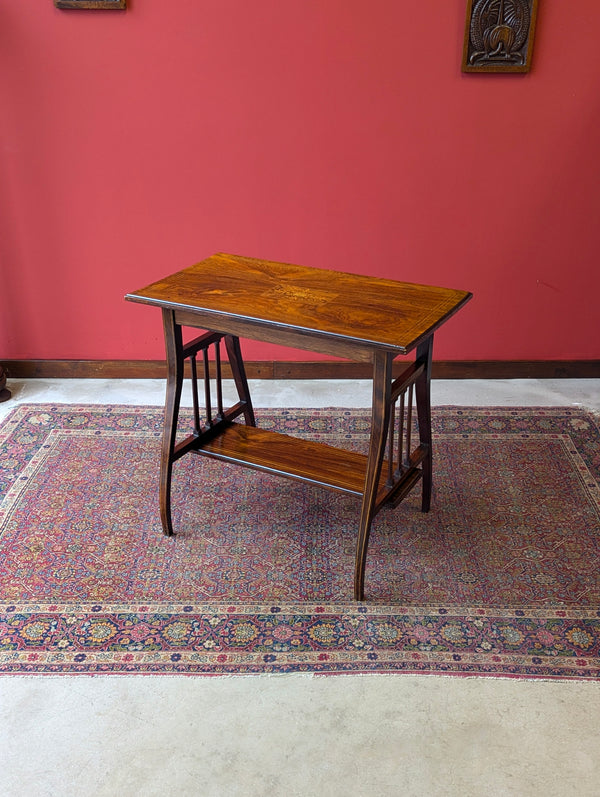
[[321, 369]]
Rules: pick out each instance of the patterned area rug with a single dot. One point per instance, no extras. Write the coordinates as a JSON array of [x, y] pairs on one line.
[[501, 578]]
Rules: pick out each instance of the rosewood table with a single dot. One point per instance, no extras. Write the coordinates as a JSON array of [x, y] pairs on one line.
[[347, 315]]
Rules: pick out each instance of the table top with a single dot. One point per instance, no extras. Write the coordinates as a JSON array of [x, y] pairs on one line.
[[230, 289]]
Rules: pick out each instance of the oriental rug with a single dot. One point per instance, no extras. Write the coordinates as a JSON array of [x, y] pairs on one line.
[[500, 578]]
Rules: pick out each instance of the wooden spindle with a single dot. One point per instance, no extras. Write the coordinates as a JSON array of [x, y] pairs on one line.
[[390, 478], [409, 409], [195, 395], [401, 432], [218, 378], [207, 387]]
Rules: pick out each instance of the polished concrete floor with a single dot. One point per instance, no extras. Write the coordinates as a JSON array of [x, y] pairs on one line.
[[315, 393], [250, 736]]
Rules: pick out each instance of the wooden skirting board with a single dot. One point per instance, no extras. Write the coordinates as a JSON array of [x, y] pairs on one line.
[[321, 369]]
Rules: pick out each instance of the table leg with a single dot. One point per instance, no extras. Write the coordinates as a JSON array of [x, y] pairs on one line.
[[175, 360], [423, 395], [236, 363], [382, 378]]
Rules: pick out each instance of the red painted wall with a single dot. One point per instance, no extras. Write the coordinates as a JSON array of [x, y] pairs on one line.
[[332, 133]]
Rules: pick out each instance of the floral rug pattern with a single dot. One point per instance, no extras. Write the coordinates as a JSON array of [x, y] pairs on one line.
[[500, 578]]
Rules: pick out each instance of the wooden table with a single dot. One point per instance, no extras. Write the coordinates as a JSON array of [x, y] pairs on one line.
[[356, 317]]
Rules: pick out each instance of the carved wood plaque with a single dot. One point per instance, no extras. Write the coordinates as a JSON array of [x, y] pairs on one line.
[[107, 5], [499, 35]]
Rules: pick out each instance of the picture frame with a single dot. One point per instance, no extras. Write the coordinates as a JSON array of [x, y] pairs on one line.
[[106, 5], [499, 35]]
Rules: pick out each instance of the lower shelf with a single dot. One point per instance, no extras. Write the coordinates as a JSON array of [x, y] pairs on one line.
[[293, 457], [308, 461]]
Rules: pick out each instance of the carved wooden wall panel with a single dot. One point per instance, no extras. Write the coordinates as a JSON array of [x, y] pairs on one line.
[[499, 35]]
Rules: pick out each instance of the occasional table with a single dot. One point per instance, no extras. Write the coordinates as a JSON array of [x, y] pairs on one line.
[[346, 315]]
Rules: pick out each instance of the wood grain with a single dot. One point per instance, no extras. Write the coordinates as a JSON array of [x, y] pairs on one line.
[[284, 455], [279, 302]]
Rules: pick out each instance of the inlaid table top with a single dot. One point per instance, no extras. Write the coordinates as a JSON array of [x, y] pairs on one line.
[[340, 307]]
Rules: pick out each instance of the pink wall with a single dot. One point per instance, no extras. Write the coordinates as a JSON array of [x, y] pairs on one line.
[[333, 133]]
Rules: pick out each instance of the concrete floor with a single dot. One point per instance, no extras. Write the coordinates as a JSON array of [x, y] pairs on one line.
[[314, 393], [287, 735]]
